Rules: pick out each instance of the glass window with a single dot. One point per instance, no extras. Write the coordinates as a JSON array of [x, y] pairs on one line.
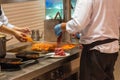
[[56, 6], [53, 7], [73, 3]]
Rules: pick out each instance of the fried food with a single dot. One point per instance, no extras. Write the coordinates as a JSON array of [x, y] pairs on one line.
[[29, 39], [43, 47], [67, 46]]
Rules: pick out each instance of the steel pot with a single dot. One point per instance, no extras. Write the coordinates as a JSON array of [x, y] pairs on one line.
[[3, 45]]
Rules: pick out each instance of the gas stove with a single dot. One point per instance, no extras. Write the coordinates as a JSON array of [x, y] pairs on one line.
[[16, 67]]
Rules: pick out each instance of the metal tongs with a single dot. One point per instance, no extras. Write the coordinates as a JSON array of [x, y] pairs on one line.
[[45, 57]]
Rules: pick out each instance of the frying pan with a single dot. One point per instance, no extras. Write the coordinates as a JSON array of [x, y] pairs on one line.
[[28, 55], [12, 64]]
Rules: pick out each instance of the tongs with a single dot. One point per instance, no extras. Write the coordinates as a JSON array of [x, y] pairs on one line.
[[45, 57]]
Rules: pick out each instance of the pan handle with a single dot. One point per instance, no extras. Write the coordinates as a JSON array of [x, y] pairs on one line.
[[28, 62], [45, 57]]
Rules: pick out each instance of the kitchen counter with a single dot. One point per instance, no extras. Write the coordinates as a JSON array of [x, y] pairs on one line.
[[33, 71]]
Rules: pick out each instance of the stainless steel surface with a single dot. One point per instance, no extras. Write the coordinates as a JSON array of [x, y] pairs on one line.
[[11, 1], [41, 68], [33, 34], [36, 35]]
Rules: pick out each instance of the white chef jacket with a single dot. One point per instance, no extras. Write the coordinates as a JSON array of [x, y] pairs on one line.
[[4, 20], [96, 20]]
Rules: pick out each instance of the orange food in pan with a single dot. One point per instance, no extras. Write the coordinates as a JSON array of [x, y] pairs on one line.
[[67, 46], [50, 47], [43, 46]]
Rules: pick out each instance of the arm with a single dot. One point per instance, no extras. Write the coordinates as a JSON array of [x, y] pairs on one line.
[[81, 16], [19, 35], [63, 26], [4, 29], [6, 22], [4, 19], [24, 30]]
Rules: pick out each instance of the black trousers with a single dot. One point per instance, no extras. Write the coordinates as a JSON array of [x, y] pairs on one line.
[[95, 65]]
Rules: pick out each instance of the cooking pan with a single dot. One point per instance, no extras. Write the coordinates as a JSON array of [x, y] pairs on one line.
[[12, 64], [28, 55]]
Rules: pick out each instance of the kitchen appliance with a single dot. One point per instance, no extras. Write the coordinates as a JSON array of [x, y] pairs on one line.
[[36, 35], [3, 45], [13, 64], [29, 55]]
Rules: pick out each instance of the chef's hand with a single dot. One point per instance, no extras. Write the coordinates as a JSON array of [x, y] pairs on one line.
[[59, 28], [77, 35], [20, 36], [24, 30]]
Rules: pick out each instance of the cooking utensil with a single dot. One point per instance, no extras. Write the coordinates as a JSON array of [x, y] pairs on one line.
[[45, 57], [12, 64], [14, 61], [36, 35], [3, 45], [28, 55]]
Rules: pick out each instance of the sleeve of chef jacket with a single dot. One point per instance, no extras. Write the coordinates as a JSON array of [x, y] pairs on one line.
[[81, 16], [4, 20]]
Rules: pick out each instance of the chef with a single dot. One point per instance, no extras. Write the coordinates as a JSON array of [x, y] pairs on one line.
[[97, 21], [8, 28]]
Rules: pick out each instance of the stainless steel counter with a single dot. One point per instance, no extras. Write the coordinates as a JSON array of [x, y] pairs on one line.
[[40, 68]]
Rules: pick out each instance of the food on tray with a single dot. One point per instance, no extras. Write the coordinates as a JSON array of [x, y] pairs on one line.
[[67, 46], [59, 52], [43, 46], [50, 46]]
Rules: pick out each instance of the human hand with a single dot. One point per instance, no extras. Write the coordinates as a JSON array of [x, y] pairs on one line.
[[24, 30], [76, 35], [20, 36]]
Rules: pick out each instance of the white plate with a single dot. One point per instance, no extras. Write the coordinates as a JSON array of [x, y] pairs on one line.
[[52, 54]]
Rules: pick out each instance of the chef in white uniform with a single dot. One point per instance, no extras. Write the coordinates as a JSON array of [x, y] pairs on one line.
[[98, 23], [8, 28]]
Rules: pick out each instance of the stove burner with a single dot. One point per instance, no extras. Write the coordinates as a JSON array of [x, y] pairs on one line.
[[11, 67], [8, 67]]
